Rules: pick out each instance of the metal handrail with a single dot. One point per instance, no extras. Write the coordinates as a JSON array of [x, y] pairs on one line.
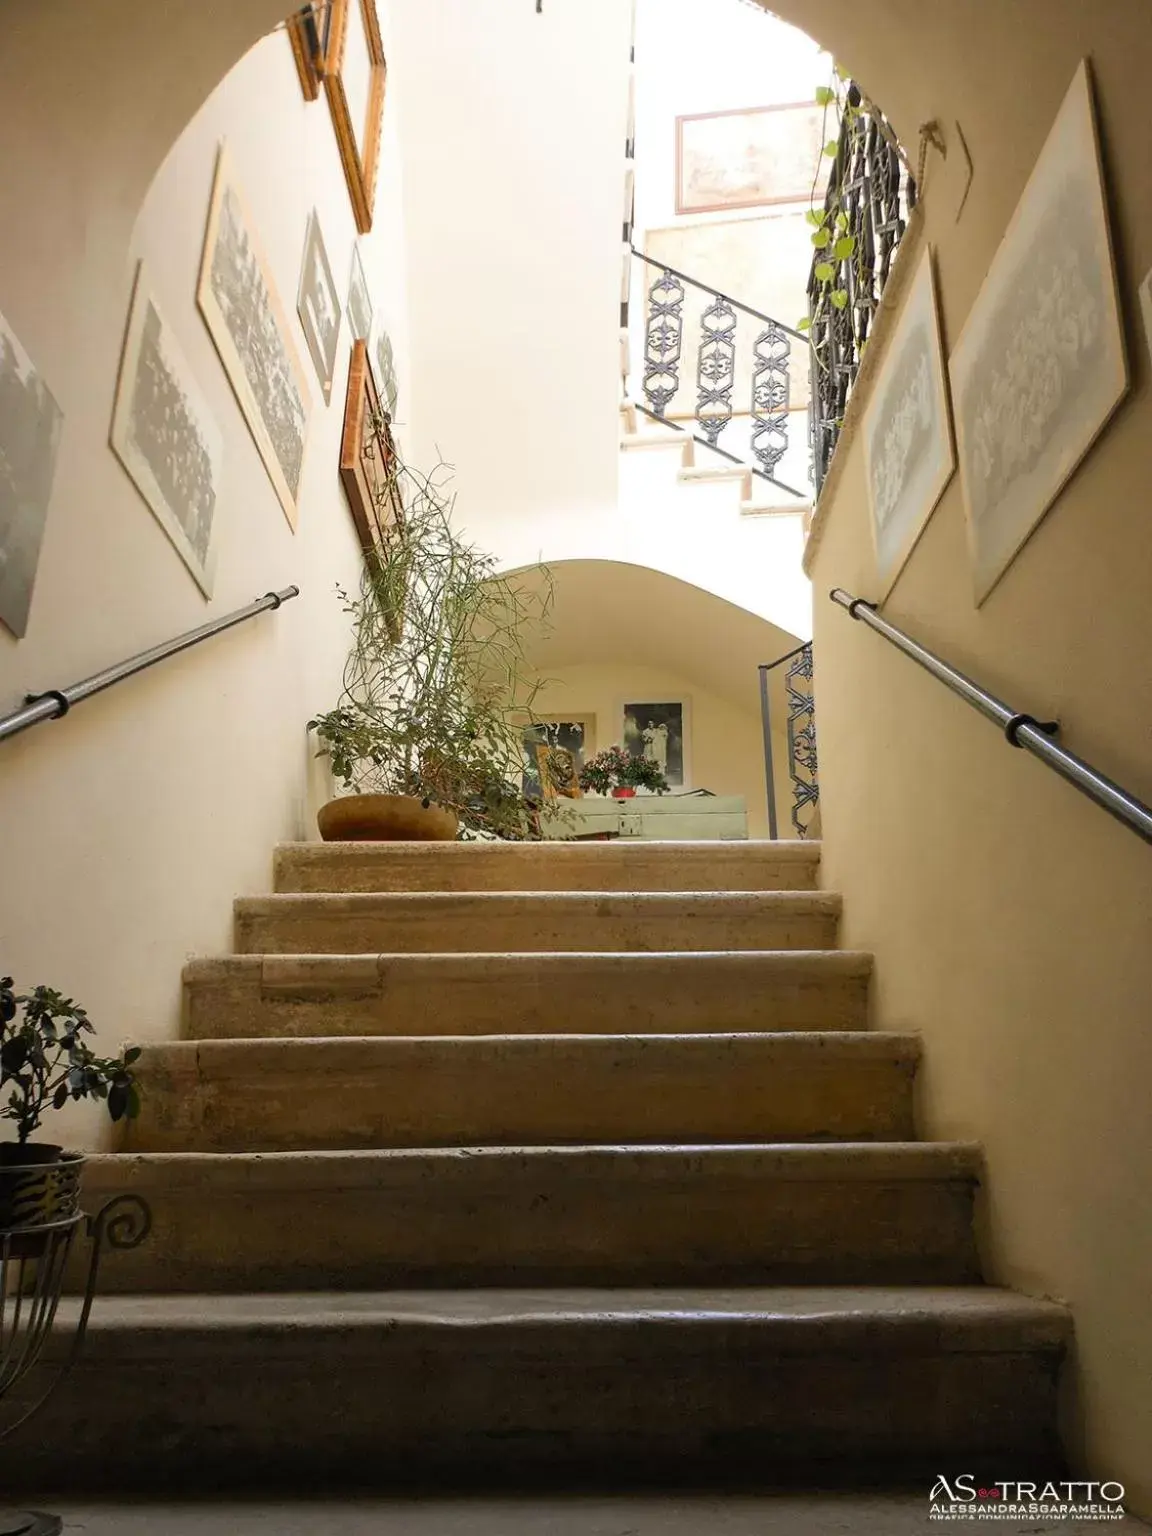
[[1021, 730], [54, 702], [662, 266]]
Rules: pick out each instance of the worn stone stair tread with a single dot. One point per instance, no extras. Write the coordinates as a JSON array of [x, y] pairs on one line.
[[392, 1091], [670, 1382], [962, 1317], [556, 921], [257, 996], [560, 866], [594, 1214]]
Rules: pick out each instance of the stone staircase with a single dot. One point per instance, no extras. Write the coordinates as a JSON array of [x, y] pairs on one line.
[[509, 1161]]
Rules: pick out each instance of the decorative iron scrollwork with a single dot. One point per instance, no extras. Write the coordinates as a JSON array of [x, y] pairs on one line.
[[716, 368], [870, 189], [662, 340], [770, 393], [802, 741]]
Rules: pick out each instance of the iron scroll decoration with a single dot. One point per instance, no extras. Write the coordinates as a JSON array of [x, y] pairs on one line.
[[33, 1265]]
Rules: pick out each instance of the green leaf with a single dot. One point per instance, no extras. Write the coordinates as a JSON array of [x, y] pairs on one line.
[[133, 1053], [822, 238], [841, 220], [844, 247], [832, 148], [839, 299], [816, 216], [825, 96], [805, 324], [824, 271]]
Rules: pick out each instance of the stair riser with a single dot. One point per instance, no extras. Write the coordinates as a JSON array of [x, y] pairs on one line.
[[451, 995], [479, 1221], [312, 867], [677, 1401], [507, 1092], [494, 925]]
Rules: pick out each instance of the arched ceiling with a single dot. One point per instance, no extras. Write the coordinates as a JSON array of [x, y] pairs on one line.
[[605, 611]]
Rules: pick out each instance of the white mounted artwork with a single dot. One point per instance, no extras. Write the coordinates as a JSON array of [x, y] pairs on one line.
[[164, 434], [244, 314], [318, 305], [1040, 366], [908, 449], [30, 426], [359, 302]]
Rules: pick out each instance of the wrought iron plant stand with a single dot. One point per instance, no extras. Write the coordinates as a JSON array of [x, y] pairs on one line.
[[33, 1264]]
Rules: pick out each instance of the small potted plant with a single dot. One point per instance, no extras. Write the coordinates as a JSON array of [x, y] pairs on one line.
[[44, 1062], [621, 773]]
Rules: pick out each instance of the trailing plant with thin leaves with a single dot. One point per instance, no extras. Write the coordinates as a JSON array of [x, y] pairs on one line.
[[436, 685], [45, 1061]]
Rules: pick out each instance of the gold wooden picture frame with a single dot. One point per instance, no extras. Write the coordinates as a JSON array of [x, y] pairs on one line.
[[355, 73], [308, 32], [367, 455]]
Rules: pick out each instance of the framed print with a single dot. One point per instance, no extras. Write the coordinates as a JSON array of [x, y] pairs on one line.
[[249, 325], [908, 452], [1040, 365], [765, 263], [30, 426], [318, 306], [750, 157], [659, 731], [354, 80], [386, 371], [309, 30], [359, 301], [166, 437], [556, 747], [367, 457]]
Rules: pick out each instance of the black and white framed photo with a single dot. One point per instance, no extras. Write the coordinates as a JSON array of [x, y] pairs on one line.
[[359, 301], [660, 731], [248, 323], [30, 426], [318, 305], [166, 437]]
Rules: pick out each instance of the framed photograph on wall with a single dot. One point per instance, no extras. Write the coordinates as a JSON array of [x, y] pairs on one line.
[[366, 457], [359, 299], [354, 80], [660, 731], [247, 321], [309, 30], [750, 157], [166, 437], [1040, 365], [908, 452], [318, 305], [30, 427]]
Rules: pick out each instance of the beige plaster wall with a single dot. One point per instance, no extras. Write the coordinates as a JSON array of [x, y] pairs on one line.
[[127, 828], [1011, 918]]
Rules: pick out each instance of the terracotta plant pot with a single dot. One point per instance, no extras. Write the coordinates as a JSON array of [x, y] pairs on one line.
[[624, 792], [38, 1184], [385, 819]]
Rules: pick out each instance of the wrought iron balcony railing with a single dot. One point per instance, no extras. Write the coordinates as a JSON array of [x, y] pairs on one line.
[[801, 729], [873, 195], [738, 402]]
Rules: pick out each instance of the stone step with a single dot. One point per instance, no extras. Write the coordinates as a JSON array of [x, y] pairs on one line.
[[507, 921], [255, 996], [518, 1090], [845, 1213], [372, 1389], [570, 866]]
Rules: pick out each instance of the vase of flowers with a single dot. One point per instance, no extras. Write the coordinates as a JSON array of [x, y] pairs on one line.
[[621, 773]]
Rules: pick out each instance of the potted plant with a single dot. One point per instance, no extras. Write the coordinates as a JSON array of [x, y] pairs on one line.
[[45, 1062], [426, 739], [621, 773]]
